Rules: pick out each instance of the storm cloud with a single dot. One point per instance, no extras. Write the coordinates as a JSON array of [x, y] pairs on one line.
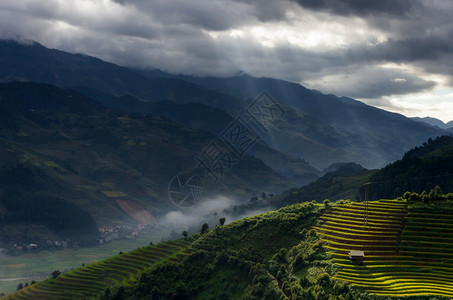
[[370, 50], [361, 8]]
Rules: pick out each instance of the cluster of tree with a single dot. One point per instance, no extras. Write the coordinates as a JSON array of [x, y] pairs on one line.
[[442, 145], [204, 227], [23, 285], [435, 194], [264, 196]]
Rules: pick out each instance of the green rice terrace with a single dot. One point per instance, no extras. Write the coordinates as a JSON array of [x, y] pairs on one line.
[[406, 252], [90, 281], [345, 250]]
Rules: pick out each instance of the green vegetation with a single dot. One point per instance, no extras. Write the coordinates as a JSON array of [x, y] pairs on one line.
[[298, 252], [94, 279], [270, 256]]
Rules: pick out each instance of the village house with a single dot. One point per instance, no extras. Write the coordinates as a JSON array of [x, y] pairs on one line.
[[106, 229]]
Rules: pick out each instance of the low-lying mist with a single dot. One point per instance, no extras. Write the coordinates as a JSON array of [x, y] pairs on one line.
[[209, 211]]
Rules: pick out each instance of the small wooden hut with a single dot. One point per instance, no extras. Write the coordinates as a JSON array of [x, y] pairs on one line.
[[357, 256]]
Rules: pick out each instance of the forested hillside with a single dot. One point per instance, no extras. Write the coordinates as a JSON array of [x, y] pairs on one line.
[[420, 169]]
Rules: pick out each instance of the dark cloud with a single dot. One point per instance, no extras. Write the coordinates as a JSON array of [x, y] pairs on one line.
[[339, 46], [362, 7], [432, 54], [266, 10], [371, 82], [416, 49], [208, 15]]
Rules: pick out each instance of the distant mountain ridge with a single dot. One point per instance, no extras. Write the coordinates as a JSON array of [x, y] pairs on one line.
[[373, 137], [126, 90], [37, 63], [320, 129], [435, 122]]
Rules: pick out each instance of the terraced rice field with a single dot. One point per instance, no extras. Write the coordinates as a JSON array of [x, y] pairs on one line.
[[91, 281], [406, 253]]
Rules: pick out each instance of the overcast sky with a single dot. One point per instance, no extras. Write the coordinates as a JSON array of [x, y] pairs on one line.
[[394, 54]]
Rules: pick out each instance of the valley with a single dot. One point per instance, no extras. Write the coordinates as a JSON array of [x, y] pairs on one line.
[[38, 266], [406, 245]]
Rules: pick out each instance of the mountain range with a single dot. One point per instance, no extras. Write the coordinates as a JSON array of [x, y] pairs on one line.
[[435, 122], [321, 129], [109, 141], [59, 144]]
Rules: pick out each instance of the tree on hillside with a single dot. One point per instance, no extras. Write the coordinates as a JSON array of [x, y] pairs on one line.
[[407, 195], [436, 193], [204, 228], [222, 221], [56, 273], [185, 234], [107, 294], [20, 286]]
